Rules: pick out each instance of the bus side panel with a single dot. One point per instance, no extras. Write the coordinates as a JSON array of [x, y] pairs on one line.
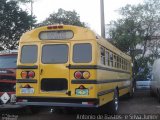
[[110, 79], [105, 98]]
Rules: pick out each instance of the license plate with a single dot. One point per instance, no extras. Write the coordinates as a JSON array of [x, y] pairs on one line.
[[82, 92], [27, 90]]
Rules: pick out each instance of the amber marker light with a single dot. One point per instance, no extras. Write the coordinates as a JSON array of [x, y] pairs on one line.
[[86, 75], [24, 74]]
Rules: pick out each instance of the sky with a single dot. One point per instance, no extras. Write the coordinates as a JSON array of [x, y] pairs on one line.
[[89, 10]]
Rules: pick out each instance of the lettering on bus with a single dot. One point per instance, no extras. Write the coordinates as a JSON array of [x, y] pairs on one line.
[[56, 35]]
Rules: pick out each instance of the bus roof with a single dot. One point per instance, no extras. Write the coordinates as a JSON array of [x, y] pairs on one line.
[[79, 33]]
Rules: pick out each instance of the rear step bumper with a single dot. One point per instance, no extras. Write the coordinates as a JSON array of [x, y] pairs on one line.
[[55, 104], [61, 102]]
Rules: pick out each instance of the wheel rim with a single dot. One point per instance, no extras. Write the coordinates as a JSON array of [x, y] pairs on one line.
[[133, 90], [116, 102], [131, 93]]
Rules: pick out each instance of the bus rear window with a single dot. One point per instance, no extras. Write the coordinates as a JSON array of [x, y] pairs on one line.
[[54, 54], [8, 61], [29, 54], [56, 35], [82, 53]]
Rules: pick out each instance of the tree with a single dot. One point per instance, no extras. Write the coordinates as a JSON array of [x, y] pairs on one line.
[[23, 1], [147, 16], [125, 35], [64, 17], [136, 29], [13, 22]]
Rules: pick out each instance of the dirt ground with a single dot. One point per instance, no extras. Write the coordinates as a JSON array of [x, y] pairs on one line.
[[141, 104]]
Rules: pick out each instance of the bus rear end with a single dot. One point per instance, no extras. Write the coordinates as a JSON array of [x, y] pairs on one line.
[[7, 78], [57, 68]]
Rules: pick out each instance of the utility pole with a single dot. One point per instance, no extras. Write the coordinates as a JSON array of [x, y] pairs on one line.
[[32, 8], [31, 13], [102, 18]]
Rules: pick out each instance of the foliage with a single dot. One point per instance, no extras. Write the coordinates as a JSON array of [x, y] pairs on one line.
[[136, 29], [13, 22], [23, 1], [142, 68], [64, 17], [125, 35]]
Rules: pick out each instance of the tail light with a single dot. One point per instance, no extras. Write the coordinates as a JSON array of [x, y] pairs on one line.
[[88, 103], [78, 75], [82, 75], [86, 75], [24, 74], [27, 74], [31, 74], [21, 100]]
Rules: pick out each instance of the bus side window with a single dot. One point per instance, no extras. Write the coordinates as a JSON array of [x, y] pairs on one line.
[[124, 64], [120, 62], [115, 61], [111, 58], [102, 56], [127, 65], [107, 58]]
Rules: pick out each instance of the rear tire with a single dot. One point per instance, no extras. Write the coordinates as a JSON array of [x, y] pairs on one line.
[[113, 106], [158, 95], [152, 94]]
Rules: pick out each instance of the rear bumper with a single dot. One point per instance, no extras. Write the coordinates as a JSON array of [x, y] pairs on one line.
[[59, 102], [55, 104]]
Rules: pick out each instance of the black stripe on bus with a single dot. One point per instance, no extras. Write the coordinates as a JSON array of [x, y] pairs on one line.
[[95, 67], [105, 92], [111, 90], [97, 81], [27, 67], [26, 81]]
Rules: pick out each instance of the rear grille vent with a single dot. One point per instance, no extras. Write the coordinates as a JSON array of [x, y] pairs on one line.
[[56, 84]]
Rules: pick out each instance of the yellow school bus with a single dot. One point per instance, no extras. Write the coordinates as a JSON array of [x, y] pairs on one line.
[[70, 66]]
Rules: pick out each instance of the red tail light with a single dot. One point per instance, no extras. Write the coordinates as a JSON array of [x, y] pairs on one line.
[[78, 75], [54, 27], [82, 75], [60, 26], [49, 27], [31, 74], [19, 100], [24, 74]]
